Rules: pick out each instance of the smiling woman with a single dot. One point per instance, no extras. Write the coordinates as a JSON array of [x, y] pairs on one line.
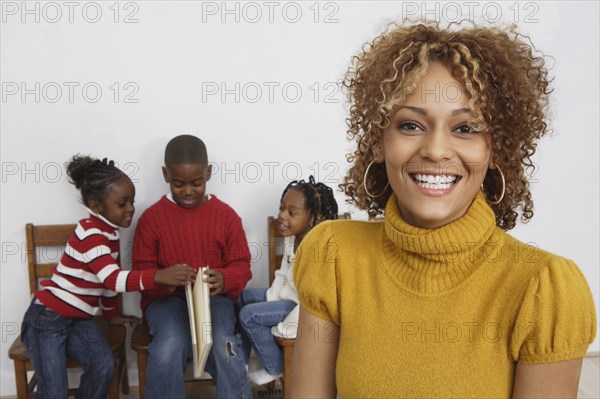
[[437, 300], [435, 161]]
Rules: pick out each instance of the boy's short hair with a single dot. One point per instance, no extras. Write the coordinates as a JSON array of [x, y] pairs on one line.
[[185, 149]]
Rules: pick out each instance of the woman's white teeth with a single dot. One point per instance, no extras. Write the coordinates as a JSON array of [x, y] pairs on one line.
[[435, 181]]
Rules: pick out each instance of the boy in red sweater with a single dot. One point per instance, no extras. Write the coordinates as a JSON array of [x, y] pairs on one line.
[[190, 227]]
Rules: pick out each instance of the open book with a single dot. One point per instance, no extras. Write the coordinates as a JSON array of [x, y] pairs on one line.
[[198, 301]]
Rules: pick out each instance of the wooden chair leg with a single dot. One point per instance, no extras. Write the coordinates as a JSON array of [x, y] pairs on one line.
[[142, 362], [123, 376], [21, 380], [288, 353]]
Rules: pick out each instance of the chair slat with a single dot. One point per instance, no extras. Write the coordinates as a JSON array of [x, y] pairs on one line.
[[52, 235], [44, 270]]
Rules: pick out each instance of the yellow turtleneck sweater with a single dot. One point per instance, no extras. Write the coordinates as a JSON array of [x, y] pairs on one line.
[[440, 313]]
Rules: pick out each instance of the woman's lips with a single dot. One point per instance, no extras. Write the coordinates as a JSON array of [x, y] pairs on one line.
[[434, 184]]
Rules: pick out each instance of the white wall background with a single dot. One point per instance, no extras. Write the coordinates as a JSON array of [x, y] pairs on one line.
[[254, 80]]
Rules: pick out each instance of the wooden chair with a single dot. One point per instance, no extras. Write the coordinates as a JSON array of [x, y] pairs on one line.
[[38, 238], [275, 242], [140, 339]]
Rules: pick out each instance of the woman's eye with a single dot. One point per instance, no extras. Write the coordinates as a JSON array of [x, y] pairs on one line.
[[410, 126], [465, 128]]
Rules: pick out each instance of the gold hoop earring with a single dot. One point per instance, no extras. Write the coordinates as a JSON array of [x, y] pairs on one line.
[[501, 197], [365, 183]]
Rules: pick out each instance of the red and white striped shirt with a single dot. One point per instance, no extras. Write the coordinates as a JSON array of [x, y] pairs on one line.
[[87, 278]]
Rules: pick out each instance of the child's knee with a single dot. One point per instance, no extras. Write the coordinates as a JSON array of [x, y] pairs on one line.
[[227, 348], [245, 316], [104, 366], [169, 351]]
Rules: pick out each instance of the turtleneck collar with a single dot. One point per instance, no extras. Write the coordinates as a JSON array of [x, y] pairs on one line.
[[105, 220], [431, 261]]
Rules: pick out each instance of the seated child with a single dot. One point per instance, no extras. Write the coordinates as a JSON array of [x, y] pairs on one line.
[[59, 320], [188, 226], [265, 312]]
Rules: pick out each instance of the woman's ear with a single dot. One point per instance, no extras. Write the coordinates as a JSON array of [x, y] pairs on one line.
[[378, 153]]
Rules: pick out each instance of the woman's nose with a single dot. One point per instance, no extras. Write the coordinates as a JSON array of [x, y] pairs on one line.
[[436, 145]]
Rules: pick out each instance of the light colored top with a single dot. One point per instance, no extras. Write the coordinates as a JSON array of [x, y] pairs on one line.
[[445, 312], [283, 288]]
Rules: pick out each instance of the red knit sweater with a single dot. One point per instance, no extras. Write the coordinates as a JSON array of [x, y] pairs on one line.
[[211, 234], [87, 278]]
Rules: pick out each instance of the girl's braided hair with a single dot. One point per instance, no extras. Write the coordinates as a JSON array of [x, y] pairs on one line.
[[319, 198], [92, 177]]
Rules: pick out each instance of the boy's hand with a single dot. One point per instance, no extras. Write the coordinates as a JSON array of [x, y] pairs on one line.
[[215, 281], [125, 320], [175, 275]]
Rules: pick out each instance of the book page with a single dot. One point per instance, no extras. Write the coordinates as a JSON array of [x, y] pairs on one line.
[[200, 322], [190, 306]]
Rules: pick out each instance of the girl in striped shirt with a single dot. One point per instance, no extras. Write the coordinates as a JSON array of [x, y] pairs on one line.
[[59, 321]]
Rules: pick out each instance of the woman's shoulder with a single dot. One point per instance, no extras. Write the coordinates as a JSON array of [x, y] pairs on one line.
[[530, 253], [556, 302], [541, 271], [346, 231]]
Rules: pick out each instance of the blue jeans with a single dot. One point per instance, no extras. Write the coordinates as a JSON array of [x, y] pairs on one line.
[[171, 350], [257, 316], [50, 337]]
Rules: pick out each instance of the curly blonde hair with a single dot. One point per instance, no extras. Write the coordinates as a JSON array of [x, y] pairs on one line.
[[508, 89]]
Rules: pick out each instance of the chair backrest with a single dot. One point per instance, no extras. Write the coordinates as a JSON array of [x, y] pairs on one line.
[[45, 246], [275, 242], [40, 239]]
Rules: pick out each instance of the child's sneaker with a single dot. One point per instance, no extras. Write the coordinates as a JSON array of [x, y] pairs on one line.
[[262, 377]]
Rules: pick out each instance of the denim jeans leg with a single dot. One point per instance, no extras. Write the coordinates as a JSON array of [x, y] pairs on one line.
[[45, 334], [170, 349], [248, 296], [226, 363], [88, 345], [252, 295], [256, 320]]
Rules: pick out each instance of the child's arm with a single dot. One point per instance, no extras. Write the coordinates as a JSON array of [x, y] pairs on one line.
[[99, 260], [236, 266], [172, 276]]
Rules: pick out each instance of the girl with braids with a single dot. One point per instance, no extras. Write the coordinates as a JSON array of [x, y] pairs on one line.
[[274, 311], [437, 300], [60, 320]]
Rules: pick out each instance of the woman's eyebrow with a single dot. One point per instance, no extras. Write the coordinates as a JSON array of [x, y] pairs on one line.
[[460, 111], [423, 111], [418, 110]]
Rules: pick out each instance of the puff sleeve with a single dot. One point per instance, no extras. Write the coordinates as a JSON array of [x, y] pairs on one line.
[[557, 320], [315, 273]]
